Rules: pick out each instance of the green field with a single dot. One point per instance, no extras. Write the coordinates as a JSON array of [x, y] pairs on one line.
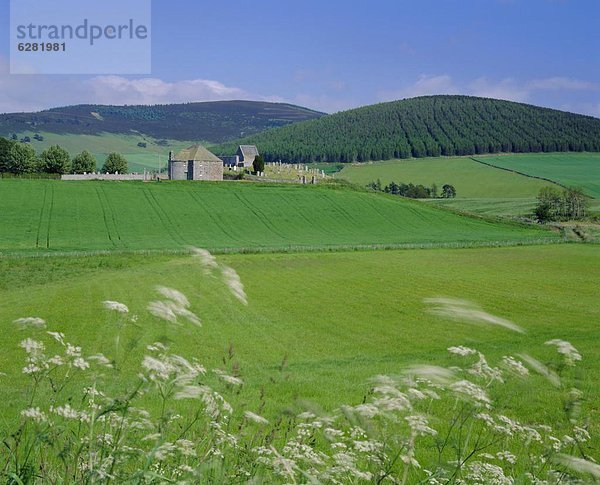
[[101, 145], [40, 215], [336, 319], [571, 169], [471, 179]]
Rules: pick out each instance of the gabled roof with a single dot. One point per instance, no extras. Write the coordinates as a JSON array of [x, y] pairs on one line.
[[248, 151], [197, 153]]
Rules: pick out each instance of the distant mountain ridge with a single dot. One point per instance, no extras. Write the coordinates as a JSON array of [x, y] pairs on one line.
[[215, 121], [428, 126]]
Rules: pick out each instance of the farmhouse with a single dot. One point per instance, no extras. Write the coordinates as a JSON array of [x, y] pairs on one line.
[[195, 163], [244, 157]]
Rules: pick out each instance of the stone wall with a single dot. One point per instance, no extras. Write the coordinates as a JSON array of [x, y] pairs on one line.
[[112, 176]]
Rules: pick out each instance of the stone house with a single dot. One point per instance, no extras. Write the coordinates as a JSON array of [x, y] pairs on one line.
[[244, 157], [195, 163]]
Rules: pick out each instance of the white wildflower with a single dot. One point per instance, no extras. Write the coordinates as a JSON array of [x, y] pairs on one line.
[[486, 474], [462, 351], [255, 418], [80, 363], [515, 366], [58, 336], [468, 311], [506, 456], [419, 425], [581, 434], [164, 451], [570, 353], [471, 392], [35, 414], [32, 346], [56, 360], [35, 322], [115, 306], [234, 283], [73, 351], [156, 347]]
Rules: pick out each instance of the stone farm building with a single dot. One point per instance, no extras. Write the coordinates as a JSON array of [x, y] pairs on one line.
[[195, 163], [244, 157]]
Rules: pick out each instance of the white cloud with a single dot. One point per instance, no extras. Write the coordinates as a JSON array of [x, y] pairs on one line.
[[556, 83], [36, 92], [425, 85], [507, 89], [120, 90]]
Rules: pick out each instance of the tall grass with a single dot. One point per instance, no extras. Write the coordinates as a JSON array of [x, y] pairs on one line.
[[182, 422]]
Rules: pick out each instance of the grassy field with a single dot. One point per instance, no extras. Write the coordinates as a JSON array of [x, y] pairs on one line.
[[53, 215], [578, 169], [471, 179], [101, 145], [335, 320]]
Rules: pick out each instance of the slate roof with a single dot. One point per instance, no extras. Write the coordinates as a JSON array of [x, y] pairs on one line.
[[197, 153], [249, 151]]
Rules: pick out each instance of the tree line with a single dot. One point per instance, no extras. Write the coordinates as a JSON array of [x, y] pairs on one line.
[[430, 126], [414, 191], [568, 204], [20, 158]]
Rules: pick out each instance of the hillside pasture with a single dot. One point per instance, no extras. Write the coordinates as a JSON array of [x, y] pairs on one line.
[[471, 179], [570, 169], [100, 145], [40, 215]]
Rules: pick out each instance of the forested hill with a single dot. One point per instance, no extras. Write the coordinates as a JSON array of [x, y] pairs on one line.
[[215, 122], [429, 126]]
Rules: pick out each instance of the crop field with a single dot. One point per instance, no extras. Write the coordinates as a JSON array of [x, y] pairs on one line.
[[40, 215], [317, 326], [471, 179], [100, 146], [577, 169]]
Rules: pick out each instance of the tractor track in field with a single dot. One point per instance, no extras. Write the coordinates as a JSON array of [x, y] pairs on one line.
[[260, 216], [104, 217], [112, 213], [381, 214], [339, 209], [301, 214], [50, 218], [212, 217], [39, 226], [171, 230]]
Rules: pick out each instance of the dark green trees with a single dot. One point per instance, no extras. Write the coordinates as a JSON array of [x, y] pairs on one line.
[[83, 163], [554, 204], [55, 160], [259, 164], [428, 126], [114, 163], [21, 159], [448, 191]]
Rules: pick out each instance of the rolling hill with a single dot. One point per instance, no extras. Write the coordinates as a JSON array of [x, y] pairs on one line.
[[42, 215], [213, 122], [429, 126]]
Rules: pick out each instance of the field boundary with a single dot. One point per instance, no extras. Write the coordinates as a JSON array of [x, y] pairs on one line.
[[299, 248], [520, 173]]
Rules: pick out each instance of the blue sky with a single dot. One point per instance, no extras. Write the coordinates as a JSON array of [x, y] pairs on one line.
[[333, 55]]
